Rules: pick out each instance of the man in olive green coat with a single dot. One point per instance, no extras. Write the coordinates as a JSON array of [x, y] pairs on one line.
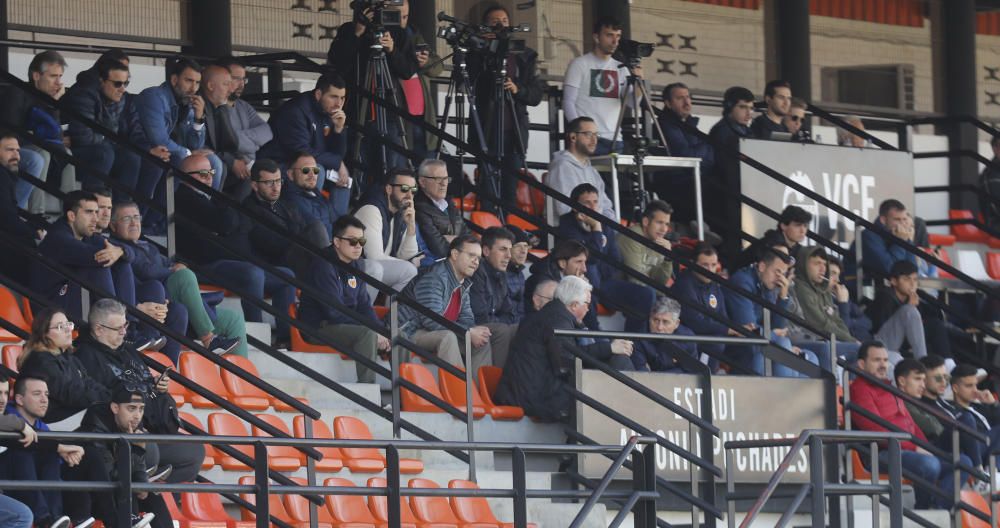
[[654, 227]]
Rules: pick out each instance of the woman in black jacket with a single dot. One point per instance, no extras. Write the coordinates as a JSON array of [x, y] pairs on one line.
[[48, 354]]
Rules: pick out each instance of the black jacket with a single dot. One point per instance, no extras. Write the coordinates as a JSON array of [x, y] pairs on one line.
[[434, 224], [214, 216], [99, 419], [10, 222], [488, 295], [762, 127], [535, 375], [547, 269], [267, 243], [62, 246], [883, 307], [71, 389], [530, 89]]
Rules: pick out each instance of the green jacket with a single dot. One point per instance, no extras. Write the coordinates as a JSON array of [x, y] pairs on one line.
[[816, 302], [927, 422], [643, 259]]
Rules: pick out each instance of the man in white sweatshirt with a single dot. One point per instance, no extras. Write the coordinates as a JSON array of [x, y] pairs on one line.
[[571, 167], [391, 230]]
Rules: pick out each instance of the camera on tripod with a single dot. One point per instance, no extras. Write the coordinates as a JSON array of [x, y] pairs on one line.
[[382, 16], [631, 52], [492, 41]]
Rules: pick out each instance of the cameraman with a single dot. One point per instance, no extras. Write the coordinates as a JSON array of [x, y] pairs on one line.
[[349, 55], [525, 88]]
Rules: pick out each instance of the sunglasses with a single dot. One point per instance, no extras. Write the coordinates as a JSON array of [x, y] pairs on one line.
[[307, 170], [354, 242], [119, 84], [797, 118], [405, 187], [202, 172]]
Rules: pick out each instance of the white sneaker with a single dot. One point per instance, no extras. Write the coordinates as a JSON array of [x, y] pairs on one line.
[[85, 524], [62, 522], [142, 522]]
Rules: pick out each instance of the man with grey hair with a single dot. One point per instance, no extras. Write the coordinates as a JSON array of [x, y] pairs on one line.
[[438, 221], [658, 355], [111, 363], [544, 292], [538, 370]]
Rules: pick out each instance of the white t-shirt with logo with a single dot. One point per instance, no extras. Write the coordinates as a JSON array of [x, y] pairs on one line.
[[599, 86]]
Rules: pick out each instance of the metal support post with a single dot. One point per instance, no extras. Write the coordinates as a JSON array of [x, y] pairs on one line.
[[261, 480], [392, 482], [469, 420], [730, 489], [766, 331], [956, 489], [519, 475], [895, 488], [171, 227], [395, 352], [693, 472], [311, 474], [275, 83], [818, 481], [874, 482], [123, 495], [859, 278]]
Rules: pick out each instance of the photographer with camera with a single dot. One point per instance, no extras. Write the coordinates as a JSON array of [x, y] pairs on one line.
[[594, 84], [505, 61], [357, 52]]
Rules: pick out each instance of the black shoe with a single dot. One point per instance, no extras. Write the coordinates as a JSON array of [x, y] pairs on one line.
[[223, 345]]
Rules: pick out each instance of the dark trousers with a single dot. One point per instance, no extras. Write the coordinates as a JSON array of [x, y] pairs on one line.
[[247, 278], [117, 280], [177, 314], [630, 298], [34, 465], [120, 163], [186, 460]]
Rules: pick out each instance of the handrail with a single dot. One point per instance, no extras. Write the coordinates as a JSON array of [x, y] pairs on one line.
[[602, 486], [973, 120], [840, 123], [962, 187]]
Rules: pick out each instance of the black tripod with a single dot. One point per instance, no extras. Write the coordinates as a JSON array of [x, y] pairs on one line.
[[379, 81], [504, 103]]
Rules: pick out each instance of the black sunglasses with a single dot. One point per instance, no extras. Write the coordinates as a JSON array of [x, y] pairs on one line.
[[118, 84], [405, 187], [354, 242], [307, 170], [797, 118]]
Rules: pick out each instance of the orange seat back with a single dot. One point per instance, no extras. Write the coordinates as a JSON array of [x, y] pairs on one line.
[[297, 342], [223, 424], [205, 373], [974, 499], [966, 232], [471, 509], [431, 509], [489, 379], [453, 390], [347, 508], [297, 506], [238, 386], [485, 219], [10, 309], [10, 355], [517, 221], [275, 451], [379, 504], [203, 506], [274, 503], [319, 430], [946, 258], [351, 428], [993, 265], [421, 377]]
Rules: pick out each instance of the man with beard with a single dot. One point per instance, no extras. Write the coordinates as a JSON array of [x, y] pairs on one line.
[[252, 132], [391, 229], [778, 96], [571, 167]]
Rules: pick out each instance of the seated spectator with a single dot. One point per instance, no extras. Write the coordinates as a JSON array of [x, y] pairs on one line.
[[340, 286], [793, 226], [515, 270], [977, 409], [252, 132], [568, 257], [390, 221], [107, 102], [571, 167], [304, 197], [313, 122], [810, 290], [633, 299], [539, 370], [873, 358], [910, 376], [937, 382], [45, 74], [543, 294], [655, 227], [778, 97], [768, 280], [160, 280], [217, 265], [795, 121], [111, 362], [220, 133], [661, 356], [124, 414], [878, 254], [42, 120], [13, 513], [10, 222], [491, 305], [104, 206], [266, 199], [699, 290], [894, 314], [48, 354], [683, 142], [853, 316], [444, 289], [438, 220], [845, 138], [32, 461]]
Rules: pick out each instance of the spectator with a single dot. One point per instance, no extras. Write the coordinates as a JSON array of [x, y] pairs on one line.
[[32, 461], [438, 220], [420, 97], [568, 257], [910, 376], [164, 279], [894, 314], [13, 513], [654, 227], [810, 289], [768, 280], [543, 294], [878, 253], [977, 409], [303, 193], [661, 356], [106, 101], [491, 304], [124, 414], [314, 123], [252, 132], [795, 121], [723, 212], [603, 274], [846, 138], [699, 290], [220, 132], [571, 167], [217, 265], [937, 382], [111, 362], [792, 228], [737, 112], [681, 139], [390, 221], [343, 287], [11, 223], [42, 120], [778, 97], [444, 289], [873, 359], [15, 104], [595, 85], [48, 354], [857, 322], [515, 270], [538, 372], [104, 205], [91, 76]]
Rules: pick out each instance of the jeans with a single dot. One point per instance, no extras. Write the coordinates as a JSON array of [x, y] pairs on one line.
[[752, 358], [32, 163], [249, 280], [846, 351], [931, 469], [32, 465], [13, 514], [119, 163]]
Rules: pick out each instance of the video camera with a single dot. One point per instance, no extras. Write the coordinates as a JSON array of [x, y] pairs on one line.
[[631, 52], [382, 16], [492, 41]]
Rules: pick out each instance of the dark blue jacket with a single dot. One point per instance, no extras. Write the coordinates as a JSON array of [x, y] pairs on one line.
[[605, 242], [728, 132], [164, 120], [331, 283], [147, 261], [390, 221], [659, 355], [857, 322], [300, 125], [686, 144], [515, 289], [488, 295], [123, 117], [710, 296], [743, 311], [311, 205], [213, 216], [43, 123], [62, 247], [877, 255]]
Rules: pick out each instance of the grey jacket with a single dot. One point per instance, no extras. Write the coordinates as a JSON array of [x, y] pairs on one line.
[[433, 289], [566, 172], [251, 130]]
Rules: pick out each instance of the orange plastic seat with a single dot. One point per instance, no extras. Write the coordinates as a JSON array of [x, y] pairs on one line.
[[433, 509], [180, 394], [946, 258], [279, 458], [475, 509], [348, 511], [297, 507], [10, 310], [485, 219], [489, 378], [421, 377], [381, 311], [366, 459], [470, 202], [379, 505], [862, 474], [453, 390], [974, 499], [299, 344], [205, 373], [936, 239], [517, 221], [223, 424], [540, 253], [992, 268], [966, 232], [246, 394], [183, 521], [207, 508], [210, 453], [604, 310], [333, 458], [10, 355], [274, 505]]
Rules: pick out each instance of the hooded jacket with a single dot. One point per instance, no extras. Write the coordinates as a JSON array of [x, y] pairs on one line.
[[71, 389], [816, 302], [566, 172], [643, 259], [884, 404]]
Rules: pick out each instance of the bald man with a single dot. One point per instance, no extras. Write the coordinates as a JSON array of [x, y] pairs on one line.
[[220, 134]]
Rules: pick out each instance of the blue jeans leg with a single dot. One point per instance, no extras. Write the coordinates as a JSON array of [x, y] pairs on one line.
[[32, 465], [126, 171], [32, 163], [100, 157], [927, 467], [748, 357], [14, 514]]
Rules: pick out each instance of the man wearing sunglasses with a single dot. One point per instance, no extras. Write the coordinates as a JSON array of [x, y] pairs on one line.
[[391, 229], [795, 120], [304, 196]]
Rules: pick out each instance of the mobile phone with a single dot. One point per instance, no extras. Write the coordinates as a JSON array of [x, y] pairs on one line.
[[162, 375], [423, 46]]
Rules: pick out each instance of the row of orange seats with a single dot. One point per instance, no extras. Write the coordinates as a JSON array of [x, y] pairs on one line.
[[205, 510], [452, 389]]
